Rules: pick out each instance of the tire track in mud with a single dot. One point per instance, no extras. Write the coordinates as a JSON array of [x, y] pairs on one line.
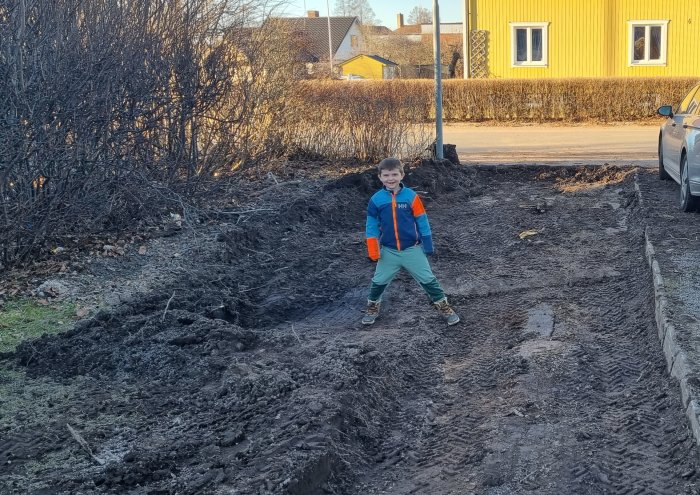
[[585, 407]]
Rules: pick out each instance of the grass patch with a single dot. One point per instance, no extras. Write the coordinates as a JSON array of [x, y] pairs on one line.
[[25, 319]]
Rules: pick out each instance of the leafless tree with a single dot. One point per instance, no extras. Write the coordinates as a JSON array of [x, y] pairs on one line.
[[402, 50], [101, 100], [359, 8], [420, 15]]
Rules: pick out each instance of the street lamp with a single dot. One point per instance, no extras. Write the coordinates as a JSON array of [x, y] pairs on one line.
[[330, 38], [465, 40], [438, 81]]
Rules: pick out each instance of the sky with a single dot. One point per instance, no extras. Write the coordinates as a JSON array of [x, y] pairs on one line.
[[385, 10]]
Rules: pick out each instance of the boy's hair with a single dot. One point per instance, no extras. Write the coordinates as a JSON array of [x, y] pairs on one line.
[[390, 164]]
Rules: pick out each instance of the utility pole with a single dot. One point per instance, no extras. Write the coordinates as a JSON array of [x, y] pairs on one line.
[[466, 49], [438, 81], [330, 39]]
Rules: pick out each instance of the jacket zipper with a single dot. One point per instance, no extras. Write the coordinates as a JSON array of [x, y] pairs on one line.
[[396, 223]]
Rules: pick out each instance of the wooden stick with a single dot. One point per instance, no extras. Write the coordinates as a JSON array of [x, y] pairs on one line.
[[295, 333], [162, 318], [244, 212], [81, 441]]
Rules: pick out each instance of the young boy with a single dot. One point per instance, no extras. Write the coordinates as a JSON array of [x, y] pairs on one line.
[[398, 236]]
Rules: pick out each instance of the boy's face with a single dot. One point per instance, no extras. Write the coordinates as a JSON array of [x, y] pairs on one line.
[[391, 178]]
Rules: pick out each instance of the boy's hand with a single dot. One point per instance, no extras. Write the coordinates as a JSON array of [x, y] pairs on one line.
[[373, 248], [427, 243]]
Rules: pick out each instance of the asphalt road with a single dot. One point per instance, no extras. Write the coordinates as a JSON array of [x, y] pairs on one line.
[[554, 144]]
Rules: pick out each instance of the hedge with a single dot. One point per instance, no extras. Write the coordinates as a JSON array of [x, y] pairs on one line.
[[502, 100]]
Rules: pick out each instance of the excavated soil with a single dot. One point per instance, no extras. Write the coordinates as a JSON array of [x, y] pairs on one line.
[[246, 371]]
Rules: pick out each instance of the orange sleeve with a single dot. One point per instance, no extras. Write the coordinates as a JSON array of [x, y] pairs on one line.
[[373, 248], [418, 208]]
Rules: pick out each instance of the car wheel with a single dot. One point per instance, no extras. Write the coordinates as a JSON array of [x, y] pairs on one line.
[[663, 175], [688, 201]]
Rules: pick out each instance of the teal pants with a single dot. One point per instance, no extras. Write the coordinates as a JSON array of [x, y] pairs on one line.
[[414, 261]]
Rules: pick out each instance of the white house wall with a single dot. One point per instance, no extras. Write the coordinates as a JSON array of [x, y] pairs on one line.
[[346, 51], [445, 28]]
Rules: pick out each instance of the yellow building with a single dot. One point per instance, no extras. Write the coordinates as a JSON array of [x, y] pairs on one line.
[[369, 67], [583, 38]]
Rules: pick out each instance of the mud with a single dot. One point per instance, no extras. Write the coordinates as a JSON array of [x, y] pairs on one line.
[[246, 369]]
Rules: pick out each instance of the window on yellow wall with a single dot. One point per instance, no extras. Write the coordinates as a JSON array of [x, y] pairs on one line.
[[647, 42], [529, 44]]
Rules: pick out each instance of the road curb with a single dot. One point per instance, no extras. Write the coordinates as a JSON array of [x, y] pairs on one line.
[[677, 363], [541, 165]]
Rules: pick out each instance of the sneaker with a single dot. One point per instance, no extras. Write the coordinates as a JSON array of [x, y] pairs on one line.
[[447, 312], [371, 313]]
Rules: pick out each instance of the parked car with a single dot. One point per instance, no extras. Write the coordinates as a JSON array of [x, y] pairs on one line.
[[679, 148], [352, 77]]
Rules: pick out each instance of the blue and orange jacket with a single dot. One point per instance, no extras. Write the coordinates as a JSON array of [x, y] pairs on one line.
[[397, 221]]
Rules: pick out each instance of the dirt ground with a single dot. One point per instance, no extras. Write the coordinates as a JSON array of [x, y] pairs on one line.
[[243, 369]]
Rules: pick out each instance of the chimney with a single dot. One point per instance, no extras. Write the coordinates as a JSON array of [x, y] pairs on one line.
[[399, 20], [312, 13]]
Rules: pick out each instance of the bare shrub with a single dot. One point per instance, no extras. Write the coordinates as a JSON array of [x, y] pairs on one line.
[[115, 111], [340, 119]]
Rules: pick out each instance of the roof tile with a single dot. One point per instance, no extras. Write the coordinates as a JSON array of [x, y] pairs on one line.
[[316, 28]]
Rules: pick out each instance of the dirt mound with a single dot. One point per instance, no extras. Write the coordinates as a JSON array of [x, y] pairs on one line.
[[151, 348], [239, 241], [198, 403], [585, 178], [366, 181], [440, 177], [428, 176]]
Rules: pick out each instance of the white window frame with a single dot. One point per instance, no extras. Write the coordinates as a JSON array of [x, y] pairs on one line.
[[647, 24], [514, 26]]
